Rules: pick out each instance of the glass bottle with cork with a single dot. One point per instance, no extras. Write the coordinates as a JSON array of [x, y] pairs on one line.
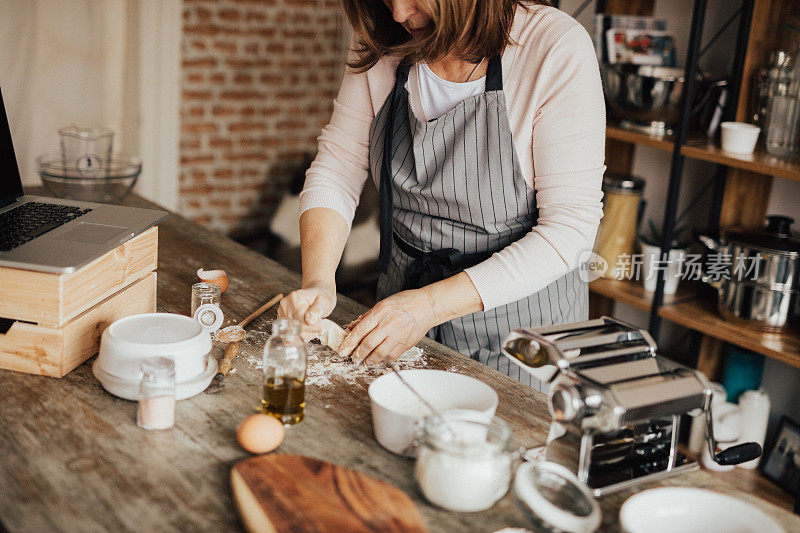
[[285, 361]]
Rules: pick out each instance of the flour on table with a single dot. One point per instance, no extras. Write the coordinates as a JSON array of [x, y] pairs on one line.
[[325, 366]]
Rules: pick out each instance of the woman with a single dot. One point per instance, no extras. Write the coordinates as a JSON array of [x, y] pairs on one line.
[[483, 126]]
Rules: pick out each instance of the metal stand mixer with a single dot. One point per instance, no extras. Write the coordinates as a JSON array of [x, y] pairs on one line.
[[616, 404]]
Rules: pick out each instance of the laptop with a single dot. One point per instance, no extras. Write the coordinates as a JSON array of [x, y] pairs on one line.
[[53, 234]]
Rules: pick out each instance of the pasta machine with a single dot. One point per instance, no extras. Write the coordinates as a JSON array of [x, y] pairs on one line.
[[616, 404]]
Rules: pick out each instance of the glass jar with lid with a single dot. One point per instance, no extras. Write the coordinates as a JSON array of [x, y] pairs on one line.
[[463, 460], [783, 115], [285, 361], [771, 80], [616, 236], [156, 408], [205, 308]]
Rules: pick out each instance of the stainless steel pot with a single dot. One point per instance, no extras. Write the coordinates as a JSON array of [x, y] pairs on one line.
[[760, 280]]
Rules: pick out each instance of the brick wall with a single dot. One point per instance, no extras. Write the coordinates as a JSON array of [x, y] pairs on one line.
[[259, 77]]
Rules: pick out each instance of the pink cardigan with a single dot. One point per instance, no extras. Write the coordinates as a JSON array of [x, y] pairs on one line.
[[557, 118]]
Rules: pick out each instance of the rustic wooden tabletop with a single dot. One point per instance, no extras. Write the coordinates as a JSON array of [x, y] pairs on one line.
[[73, 459]]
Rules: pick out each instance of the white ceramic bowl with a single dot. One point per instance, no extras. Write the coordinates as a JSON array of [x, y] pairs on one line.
[[130, 340], [689, 510], [739, 138], [129, 390], [395, 409]]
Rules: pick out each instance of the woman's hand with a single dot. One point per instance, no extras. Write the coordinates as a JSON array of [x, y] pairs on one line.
[[309, 304], [390, 328]]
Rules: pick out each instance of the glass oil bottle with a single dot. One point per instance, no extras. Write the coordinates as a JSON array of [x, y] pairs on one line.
[[285, 361]]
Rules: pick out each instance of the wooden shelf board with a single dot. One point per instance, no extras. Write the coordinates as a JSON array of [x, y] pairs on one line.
[[698, 147], [620, 134], [633, 293], [760, 161], [701, 315]]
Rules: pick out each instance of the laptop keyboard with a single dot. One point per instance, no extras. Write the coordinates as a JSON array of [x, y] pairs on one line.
[[28, 221]]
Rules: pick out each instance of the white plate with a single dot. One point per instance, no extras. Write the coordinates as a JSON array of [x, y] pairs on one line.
[[129, 390], [688, 510]]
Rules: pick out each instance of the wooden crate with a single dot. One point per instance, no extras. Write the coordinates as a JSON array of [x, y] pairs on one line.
[[54, 299], [54, 351]]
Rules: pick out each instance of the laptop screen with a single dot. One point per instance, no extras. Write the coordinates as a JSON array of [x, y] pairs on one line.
[[10, 181]]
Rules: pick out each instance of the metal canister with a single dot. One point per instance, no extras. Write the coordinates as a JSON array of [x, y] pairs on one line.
[[617, 233]]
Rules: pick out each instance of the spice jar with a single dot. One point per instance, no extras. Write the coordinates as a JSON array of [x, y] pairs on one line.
[[285, 361], [617, 233], [206, 299], [156, 409], [463, 463]]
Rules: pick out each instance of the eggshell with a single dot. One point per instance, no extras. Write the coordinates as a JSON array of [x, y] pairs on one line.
[[217, 277], [259, 433]]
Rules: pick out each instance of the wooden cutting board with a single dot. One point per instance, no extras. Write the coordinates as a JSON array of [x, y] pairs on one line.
[[292, 493]]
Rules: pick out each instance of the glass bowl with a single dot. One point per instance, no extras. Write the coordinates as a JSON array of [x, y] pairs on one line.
[[109, 185]]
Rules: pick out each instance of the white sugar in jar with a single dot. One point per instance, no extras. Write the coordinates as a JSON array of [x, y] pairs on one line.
[[463, 463]]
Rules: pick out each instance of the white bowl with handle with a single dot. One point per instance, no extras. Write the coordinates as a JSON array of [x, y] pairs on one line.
[[130, 340], [396, 410]]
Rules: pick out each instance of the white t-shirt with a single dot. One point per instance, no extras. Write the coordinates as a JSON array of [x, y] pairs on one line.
[[438, 96]]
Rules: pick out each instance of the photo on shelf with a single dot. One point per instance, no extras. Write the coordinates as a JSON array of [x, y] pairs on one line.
[[641, 47], [604, 22], [782, 464]]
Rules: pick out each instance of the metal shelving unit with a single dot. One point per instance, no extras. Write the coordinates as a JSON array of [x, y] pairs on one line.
[[734, 176]]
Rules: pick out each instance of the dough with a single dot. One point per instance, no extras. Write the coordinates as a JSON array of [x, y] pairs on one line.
[[330, 334]]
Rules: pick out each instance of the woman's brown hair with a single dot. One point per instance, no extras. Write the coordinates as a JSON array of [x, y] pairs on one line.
[[484, 25]]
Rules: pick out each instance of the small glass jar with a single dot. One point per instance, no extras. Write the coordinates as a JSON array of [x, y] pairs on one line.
[[206, 299], [463, 461], [285, 361], [156, 409]]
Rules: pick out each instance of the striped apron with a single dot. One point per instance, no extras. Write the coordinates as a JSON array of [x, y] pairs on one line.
[[451, 194]]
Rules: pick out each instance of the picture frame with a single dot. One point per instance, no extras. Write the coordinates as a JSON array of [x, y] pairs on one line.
[[781, 464]]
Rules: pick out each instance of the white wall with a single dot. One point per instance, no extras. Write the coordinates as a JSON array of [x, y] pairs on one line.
[[111, 63]]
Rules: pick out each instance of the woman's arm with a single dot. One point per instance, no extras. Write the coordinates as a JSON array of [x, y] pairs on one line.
[[323, 234], [568, 146], [329, 199]]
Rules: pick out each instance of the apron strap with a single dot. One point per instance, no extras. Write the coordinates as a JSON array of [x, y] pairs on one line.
[[494, 74], [385, 186]]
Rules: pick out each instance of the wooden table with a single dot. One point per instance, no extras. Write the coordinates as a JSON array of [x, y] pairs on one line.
[[74, 460]]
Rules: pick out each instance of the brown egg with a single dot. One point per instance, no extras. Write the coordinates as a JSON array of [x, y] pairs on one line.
[[259, 433], [217, 277]]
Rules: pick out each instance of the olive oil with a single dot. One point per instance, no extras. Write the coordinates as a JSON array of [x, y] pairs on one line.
[[284, 398]]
